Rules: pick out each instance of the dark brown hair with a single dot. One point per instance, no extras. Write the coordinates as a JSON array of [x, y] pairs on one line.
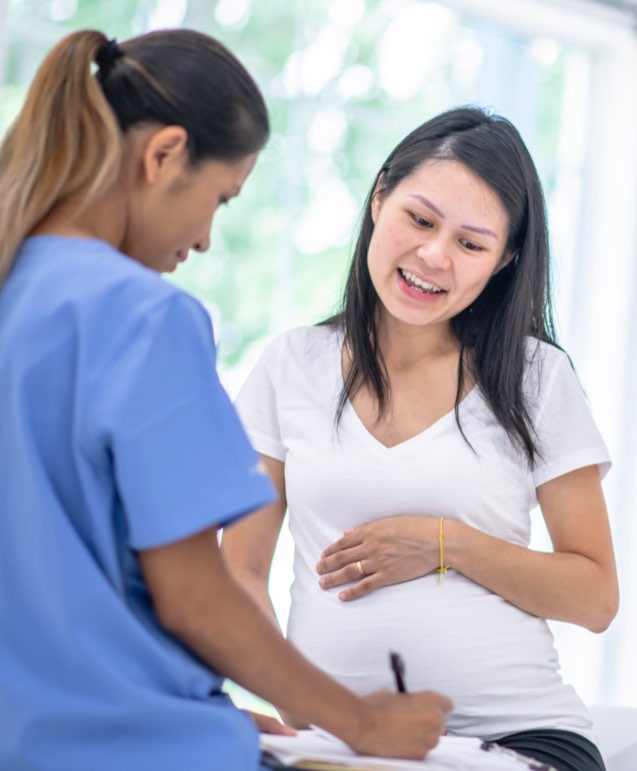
[[515, 304], [89, 91]]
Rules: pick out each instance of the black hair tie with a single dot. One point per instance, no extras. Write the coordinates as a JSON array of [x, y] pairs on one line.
[[107, 55]]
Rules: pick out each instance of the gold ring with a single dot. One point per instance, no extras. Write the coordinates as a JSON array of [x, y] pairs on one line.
[[361, 569]]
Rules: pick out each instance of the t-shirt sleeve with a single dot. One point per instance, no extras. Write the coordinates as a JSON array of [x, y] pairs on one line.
[[257, 403], [568, 437], [182, 461]]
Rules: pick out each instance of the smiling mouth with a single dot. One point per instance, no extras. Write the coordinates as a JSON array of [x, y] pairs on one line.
[[418, 284]]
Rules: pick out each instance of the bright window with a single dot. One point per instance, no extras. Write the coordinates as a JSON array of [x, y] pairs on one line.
[[345, 80]]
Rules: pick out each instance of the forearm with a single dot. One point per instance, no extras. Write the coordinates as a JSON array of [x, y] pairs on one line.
[[248, 546], [220, 623], [196, 598], [557, 585], [257, 589]]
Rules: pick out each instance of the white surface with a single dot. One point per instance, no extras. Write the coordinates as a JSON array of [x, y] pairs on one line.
[[616, 729]]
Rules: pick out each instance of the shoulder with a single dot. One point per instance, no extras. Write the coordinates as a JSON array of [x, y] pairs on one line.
[[90, 275], [124, 306], [297, 365], [565, 429], [147, 315], [543, 362], [119, 276], [551, 383], [119, 288], [70, 288]]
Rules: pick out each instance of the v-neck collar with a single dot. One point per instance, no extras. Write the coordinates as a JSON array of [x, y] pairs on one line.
[[425, 435], [357, 425]]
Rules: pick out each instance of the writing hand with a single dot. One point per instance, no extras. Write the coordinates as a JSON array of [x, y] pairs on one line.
[[387, 551], [405, 725]]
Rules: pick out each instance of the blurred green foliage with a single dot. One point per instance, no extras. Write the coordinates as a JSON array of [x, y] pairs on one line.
[[344, 80]]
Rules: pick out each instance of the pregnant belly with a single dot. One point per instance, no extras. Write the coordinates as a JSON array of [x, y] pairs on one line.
[[455, 637]]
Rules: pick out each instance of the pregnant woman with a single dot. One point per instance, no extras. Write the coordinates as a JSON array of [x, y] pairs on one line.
[[411, 435]]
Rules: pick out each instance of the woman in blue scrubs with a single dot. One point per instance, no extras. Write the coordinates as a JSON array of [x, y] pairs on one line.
[[121, 454]]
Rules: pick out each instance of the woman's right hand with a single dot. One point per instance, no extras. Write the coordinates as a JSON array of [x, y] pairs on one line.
[[386, 551], [401, 725]]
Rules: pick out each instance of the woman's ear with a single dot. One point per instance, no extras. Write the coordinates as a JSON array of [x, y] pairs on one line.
[[377, 197], [165, 153], [506, 259]]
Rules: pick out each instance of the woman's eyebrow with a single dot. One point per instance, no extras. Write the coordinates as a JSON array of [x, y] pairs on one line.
[[476, 229], [427, 203], [431, 205]]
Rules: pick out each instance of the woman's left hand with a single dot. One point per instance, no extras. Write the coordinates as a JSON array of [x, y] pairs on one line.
[[387, 551], [266, 724]]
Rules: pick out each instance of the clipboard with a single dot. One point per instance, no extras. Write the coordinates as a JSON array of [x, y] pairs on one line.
[[317, 750]]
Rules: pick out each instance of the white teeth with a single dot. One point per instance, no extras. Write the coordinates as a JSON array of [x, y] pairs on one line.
[[413, 279]]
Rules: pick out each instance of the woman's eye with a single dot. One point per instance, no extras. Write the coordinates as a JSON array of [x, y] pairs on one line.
[[471, 246], [421, 221]]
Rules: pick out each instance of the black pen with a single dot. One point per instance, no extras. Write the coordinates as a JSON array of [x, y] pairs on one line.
[[398, 668]]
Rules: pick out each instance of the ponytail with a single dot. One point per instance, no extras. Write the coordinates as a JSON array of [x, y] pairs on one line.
[[65, 139]]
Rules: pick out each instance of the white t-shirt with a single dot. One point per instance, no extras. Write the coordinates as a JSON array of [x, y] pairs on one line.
[[496, 662]]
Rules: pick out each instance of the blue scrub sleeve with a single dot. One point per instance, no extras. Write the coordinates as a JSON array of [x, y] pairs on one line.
[[182, 460]]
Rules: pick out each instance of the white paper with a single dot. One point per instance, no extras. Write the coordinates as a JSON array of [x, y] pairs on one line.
[[453, 753]]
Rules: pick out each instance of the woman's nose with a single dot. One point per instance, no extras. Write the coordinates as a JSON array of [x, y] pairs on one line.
[[434, 252]]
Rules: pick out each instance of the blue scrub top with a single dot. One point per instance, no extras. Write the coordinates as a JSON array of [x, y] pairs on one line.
[[115, 436]]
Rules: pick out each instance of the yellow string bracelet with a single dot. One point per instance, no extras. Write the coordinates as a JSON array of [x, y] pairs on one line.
[[442, 568]]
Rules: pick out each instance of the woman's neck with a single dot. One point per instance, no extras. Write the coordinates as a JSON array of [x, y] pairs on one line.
[[404, 346], [102, 219]]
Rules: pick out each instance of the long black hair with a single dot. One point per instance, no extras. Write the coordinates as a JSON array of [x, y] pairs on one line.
[[516, 302]]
